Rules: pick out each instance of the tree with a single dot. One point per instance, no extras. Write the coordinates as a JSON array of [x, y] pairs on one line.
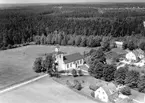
[[43, 39], [98, 55], [53, 39], [90, 41], [92, 51], [71, 42], [37, 66], [126, 91], [97, 41], [132, 78], [74, 73], [96, 69], [142, 46], [105, 44], [125, 100], [78, 40], [93, 94], [83, 42], [48, 64], [141, 84], [124, 46], [49, 38], [108, 72], [131, 45], [77, 85], [59, 38], [64, 41], [120, 75], [37, 39]]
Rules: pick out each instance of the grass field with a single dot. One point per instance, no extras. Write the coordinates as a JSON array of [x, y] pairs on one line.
[[16, 64], [45, 90]]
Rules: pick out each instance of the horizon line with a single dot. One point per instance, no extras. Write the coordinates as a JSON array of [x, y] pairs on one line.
[[74, 2]]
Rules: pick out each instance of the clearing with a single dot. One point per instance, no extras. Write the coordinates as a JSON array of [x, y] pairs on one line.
[[16, 64]]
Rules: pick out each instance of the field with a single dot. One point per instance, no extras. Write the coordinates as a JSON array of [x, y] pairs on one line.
[[16, 64], [43, 92]]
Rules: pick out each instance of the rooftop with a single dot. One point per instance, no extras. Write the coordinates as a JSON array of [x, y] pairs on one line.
[[138, 52], [110, 88], [72, 57]]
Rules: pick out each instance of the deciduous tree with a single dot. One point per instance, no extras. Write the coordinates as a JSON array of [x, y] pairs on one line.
[[141, 84], [108, 72], [132, 78], [37, 66], [96, 69], [48, 64], [120, 75]]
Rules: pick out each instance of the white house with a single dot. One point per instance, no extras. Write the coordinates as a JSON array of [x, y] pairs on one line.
[[135, 55], [68, 62], [104, 92], [119, 44], [130, 56]]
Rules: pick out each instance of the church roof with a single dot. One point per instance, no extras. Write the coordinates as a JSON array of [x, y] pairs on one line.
[[72, 57], [59, 52]]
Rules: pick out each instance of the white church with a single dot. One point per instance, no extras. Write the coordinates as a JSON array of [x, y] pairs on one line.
[[68, 62]]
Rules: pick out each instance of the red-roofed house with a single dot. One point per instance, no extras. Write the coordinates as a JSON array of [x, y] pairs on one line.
[[68, 62]]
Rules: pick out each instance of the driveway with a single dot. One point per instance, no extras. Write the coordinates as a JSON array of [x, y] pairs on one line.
[[44, 90]]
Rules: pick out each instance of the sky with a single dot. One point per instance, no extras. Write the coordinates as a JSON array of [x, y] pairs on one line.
[[64, 1]]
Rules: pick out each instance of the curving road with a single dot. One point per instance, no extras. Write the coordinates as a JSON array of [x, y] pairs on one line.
[[43, 91]]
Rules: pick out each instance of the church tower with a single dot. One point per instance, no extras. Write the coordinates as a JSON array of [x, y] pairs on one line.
[[57, 49], [58, 54], [59, 57]]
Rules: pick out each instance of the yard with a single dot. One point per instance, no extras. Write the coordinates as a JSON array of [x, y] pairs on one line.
[[16, 64]]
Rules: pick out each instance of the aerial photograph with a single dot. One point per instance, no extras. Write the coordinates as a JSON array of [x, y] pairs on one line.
[[72, 51]]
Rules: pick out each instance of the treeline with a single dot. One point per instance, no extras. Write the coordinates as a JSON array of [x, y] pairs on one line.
[[62, 39], [101, 12], [19, 26]]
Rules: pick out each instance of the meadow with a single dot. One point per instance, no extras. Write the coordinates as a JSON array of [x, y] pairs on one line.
[[45, 90], [16, 64]]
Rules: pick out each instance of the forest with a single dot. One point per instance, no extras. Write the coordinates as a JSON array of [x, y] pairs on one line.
[[19, 25]]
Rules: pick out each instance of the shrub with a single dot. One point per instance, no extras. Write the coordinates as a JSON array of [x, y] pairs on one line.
[[127, 100], [62, 71], [9, 46], [93, 87], [74, 73], [126, 91], [83, 81], [93, 94], [70, 85], [77, 85], [80, 73], [57, 74]]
